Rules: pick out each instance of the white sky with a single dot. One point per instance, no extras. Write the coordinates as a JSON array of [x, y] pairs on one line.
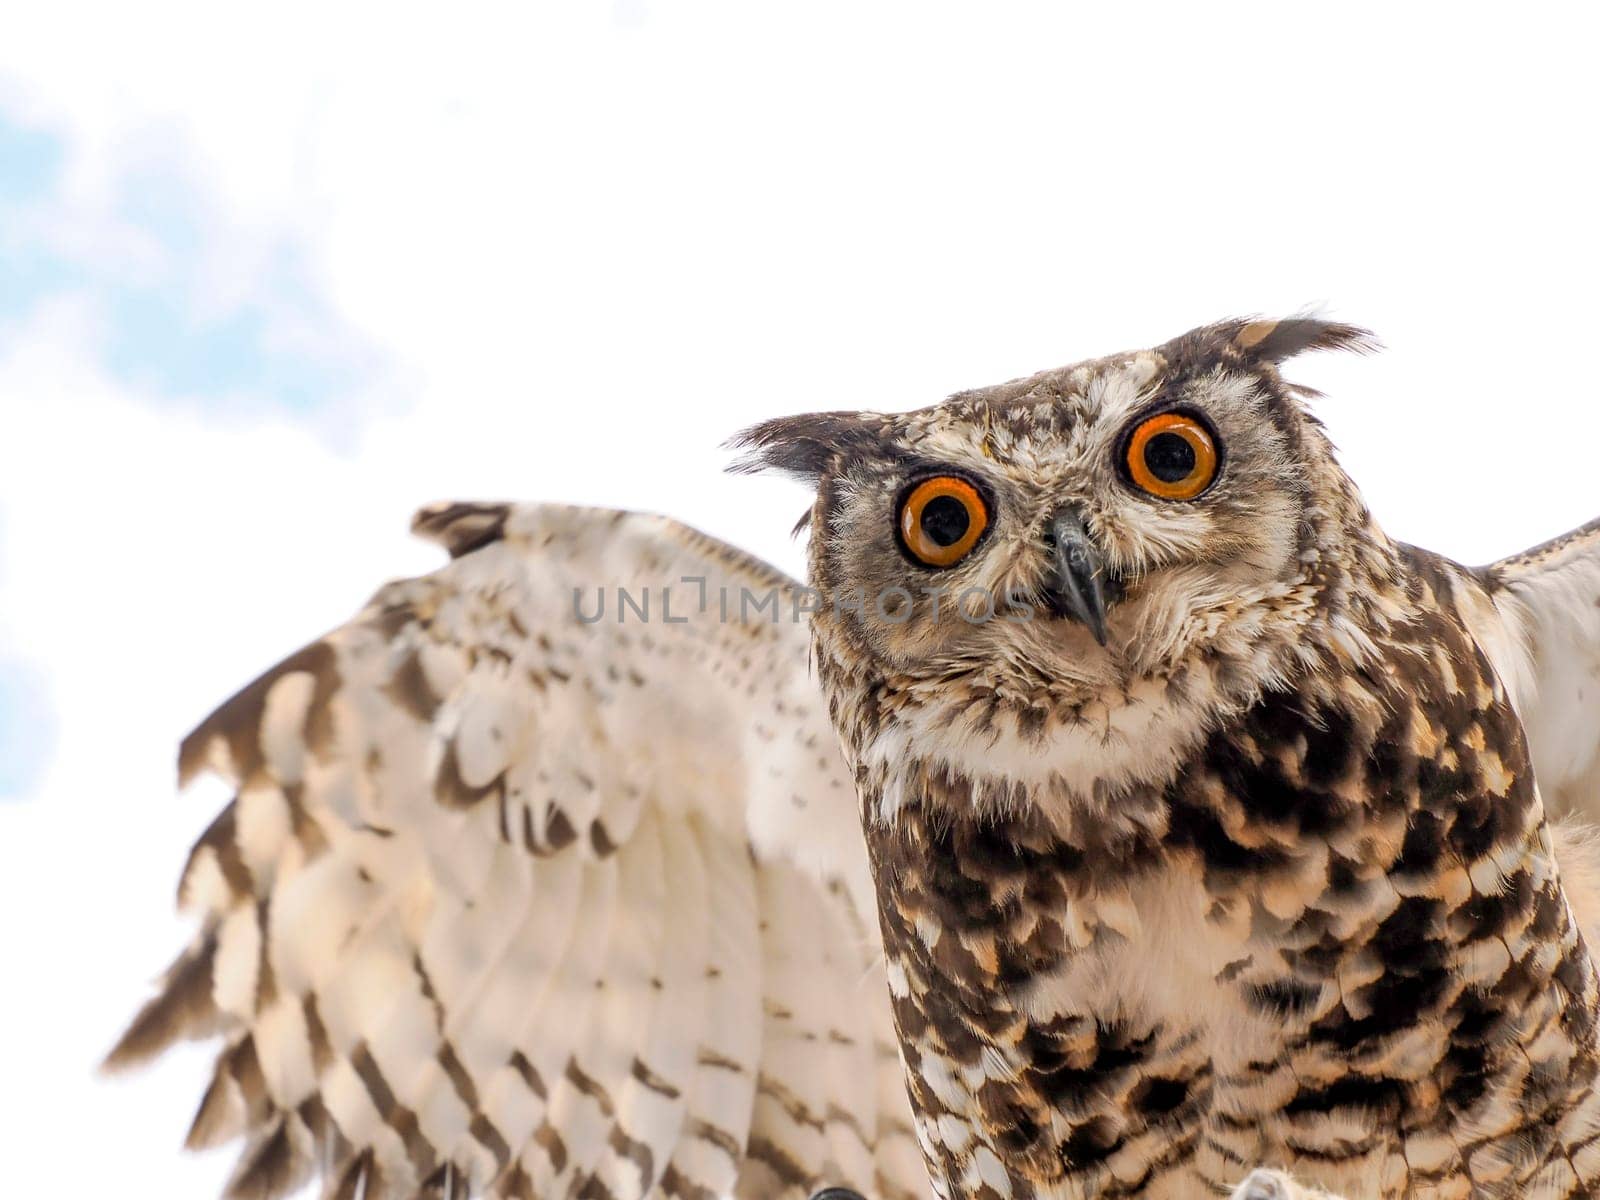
[[576, 250]]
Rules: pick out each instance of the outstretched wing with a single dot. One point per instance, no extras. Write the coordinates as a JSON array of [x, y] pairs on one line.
[[1548, 599], [543, 878]]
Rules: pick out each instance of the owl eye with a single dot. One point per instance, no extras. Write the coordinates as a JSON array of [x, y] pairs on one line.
[[1172, 456], [941, 520]]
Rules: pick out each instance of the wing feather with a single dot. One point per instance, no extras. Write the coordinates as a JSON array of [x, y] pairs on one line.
[[621, 1003], [515, 902], [1548, 600], [850, 1094], [721, 1093], [650, 1100]]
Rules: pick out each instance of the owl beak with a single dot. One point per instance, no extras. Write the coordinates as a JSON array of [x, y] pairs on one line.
[[1078, 580]]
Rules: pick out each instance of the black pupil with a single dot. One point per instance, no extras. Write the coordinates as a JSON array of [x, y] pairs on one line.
[[945, 520], [1169, 457]]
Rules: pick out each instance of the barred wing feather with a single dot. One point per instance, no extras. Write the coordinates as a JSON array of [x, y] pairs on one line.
[[517, 903]]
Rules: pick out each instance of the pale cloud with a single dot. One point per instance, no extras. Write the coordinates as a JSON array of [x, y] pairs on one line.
[[562, 251], [182, 310], [121, 558], [736, 210]]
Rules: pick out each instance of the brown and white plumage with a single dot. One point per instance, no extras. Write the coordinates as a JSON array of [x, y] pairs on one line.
[[1216, 845], [516, 904], [1243, 864]]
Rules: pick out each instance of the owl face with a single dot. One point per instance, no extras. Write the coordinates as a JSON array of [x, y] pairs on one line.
[[1072, 532]]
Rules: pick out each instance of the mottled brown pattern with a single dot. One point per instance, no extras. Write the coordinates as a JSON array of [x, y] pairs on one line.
[[1240, 869], [1385, 901], [1325, 931]]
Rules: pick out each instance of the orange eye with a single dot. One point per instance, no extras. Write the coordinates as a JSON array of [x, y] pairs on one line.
[[1172, 456], [941, 520]]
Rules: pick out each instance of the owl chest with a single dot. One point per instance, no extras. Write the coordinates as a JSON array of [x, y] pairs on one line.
[[1154, 955], [1087, 990], [1079, 1035], [1216, 998]]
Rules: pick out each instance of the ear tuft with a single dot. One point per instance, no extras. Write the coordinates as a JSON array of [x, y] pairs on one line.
[[1275, 341], [1254, 341], [804, 446]]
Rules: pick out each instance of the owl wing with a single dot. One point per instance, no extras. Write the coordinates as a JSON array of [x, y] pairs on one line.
[[1548, 602], [517, 900]]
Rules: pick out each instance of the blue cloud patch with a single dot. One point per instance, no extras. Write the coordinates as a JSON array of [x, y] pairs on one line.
[[30, 162], [30, 165], [27, 728], [275, 345], [158, 342]]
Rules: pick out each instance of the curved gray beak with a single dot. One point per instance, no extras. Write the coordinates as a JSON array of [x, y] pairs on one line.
[[1078, 579]]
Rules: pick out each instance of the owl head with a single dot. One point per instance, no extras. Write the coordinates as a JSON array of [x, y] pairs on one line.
[[1075, 538]]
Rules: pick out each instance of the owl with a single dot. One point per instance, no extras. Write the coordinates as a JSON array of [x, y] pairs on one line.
[[1116, 811]]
